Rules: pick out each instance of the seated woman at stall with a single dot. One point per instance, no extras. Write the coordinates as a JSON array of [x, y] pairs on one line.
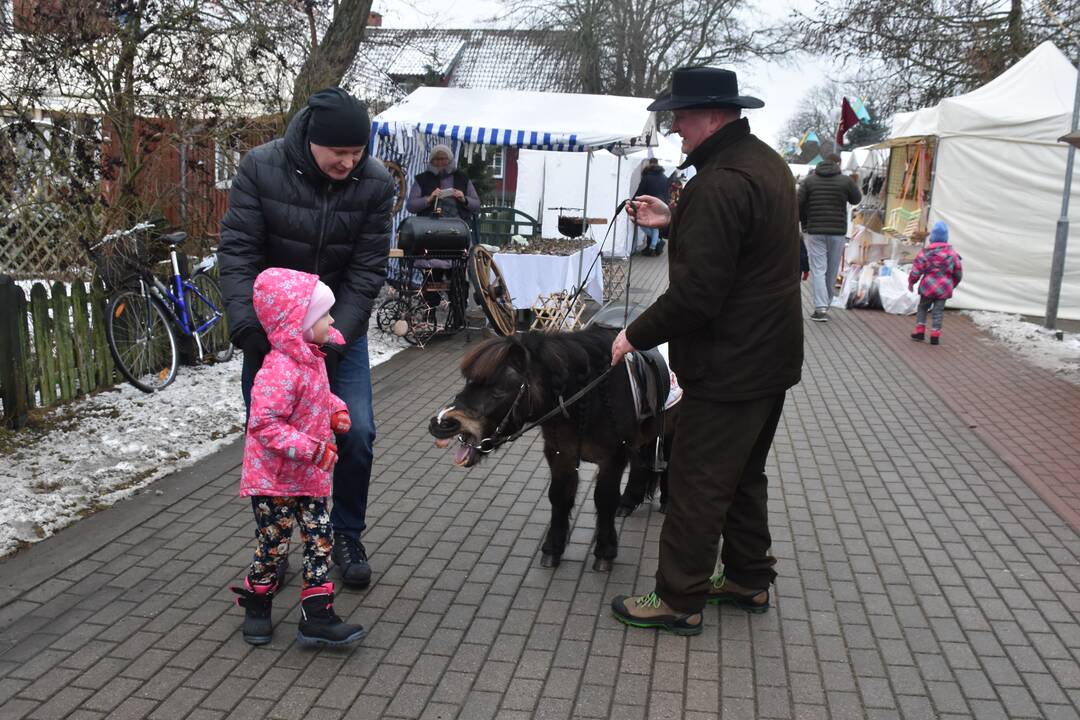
[[443, 190]]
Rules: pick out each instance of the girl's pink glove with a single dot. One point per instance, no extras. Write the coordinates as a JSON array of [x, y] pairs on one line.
[[340, 422], [325, 456]]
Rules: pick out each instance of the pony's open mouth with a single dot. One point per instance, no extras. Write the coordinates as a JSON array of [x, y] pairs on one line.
[[464, 454]]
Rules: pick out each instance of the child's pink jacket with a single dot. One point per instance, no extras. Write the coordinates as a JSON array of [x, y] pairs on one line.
[[291, 402]]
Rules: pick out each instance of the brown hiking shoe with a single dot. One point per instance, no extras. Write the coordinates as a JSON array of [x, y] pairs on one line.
[[649, 611], [725, 592]]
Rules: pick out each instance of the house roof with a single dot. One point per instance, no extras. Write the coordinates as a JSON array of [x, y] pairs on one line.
[[392, 61]]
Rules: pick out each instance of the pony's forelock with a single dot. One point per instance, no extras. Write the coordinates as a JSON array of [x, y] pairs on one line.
[[482, 362]]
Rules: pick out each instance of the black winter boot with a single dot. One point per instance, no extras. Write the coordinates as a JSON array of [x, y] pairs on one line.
[[256, 601], [319, 624]]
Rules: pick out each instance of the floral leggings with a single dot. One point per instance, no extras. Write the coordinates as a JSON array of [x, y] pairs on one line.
[[274, 518]]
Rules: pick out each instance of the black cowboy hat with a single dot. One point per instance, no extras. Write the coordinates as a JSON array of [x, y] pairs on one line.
[[704, 87]]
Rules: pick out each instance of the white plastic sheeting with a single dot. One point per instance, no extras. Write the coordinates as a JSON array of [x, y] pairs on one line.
[[998, 181]]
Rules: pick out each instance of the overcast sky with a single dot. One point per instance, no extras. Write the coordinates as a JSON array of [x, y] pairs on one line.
[[780, 85]]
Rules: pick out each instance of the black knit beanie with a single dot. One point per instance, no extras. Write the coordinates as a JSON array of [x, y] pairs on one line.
[[338, 119]]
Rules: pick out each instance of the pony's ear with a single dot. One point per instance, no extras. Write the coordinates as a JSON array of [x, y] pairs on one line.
[[517, 355]]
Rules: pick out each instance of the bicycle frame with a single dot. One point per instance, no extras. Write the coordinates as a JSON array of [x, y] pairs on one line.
[[176, 304]]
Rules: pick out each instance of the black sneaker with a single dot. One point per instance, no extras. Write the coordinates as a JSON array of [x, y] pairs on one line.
[[351, 557], [819, 316]]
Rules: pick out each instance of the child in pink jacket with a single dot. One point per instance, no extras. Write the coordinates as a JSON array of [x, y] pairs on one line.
[[940, 270], [288, 455]]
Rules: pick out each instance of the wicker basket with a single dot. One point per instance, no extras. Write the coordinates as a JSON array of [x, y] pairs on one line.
[[121, 256]]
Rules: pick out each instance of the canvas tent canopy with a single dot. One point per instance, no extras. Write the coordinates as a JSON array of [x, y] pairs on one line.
[[998, 179], [512, 118]]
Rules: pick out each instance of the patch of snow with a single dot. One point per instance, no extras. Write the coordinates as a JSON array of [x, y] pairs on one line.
[[104, 448], [1033, 342]]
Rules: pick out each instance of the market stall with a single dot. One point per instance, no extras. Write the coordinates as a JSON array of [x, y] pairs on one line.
[[474, 121], [989, 164]]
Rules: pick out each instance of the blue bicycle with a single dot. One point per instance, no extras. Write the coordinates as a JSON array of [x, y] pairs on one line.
[[145, 315]]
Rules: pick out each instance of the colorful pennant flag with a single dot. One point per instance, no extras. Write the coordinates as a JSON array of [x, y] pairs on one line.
[[848, 120]]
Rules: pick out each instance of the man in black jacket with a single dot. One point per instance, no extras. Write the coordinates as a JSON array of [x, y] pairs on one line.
[[731, 316], [315, 201], [823, 199], [655, 184]]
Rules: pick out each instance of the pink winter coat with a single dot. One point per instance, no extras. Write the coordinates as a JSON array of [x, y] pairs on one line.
[[291, 402], [940, 268]]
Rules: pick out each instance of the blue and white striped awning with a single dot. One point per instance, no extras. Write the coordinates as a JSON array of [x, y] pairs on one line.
[[535, 120]]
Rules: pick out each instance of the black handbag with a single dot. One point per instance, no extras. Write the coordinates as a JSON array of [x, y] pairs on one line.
[[417, 235]]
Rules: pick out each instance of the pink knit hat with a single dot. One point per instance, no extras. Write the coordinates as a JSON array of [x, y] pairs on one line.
[[322, 299]]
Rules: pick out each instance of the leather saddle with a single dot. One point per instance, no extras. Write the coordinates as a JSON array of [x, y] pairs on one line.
[[650, 379]]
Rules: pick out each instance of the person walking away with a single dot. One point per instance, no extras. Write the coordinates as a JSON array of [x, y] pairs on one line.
[[656, 184], [938, 270], [315, 201], [823, 199], [443, 190], [731, 316], [288, 454]]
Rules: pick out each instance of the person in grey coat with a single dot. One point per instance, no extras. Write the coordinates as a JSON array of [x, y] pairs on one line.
[[315, 201], [823, 201]]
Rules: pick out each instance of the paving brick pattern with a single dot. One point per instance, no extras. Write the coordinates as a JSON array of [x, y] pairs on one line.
[[1026, 414], [920, 577]]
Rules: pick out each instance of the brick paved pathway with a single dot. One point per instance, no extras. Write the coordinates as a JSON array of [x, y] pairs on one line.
[[1029, 416], [915, 582]]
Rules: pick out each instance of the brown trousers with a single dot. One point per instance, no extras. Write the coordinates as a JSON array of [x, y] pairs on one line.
[[717, 488]]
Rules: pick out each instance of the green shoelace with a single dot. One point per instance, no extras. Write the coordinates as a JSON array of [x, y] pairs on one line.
[[651, 600]]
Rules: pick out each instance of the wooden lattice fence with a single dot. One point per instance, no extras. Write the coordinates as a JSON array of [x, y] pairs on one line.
[[52, 345]]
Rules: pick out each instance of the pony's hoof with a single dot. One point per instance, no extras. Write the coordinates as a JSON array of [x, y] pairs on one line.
[[549, 561], [663, 508], [603, 564], [625, 510]]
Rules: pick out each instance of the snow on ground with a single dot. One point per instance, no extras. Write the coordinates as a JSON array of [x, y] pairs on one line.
[[1032, 342], [89, 454]]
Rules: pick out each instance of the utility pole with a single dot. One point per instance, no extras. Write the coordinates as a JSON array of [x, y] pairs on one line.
[[1061, 237]]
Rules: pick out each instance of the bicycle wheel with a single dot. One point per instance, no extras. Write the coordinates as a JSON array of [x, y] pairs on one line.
[[214, 339], [141, 340]]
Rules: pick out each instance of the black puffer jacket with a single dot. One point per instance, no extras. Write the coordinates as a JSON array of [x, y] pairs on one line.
[[285, 212], [654, 182], [823, 199]]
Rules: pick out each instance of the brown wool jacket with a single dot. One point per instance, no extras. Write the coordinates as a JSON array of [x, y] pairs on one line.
[[732, 313]]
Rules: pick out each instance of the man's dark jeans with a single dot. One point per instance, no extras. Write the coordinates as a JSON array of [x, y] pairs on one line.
[[352, 474]]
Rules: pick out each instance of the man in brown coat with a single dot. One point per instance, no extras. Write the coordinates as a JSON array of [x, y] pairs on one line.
[[732, 318]]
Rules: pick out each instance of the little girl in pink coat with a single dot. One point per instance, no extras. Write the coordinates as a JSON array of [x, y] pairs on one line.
[[289, 452]]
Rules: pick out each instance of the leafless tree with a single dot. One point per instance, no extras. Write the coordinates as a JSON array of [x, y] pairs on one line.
[[630, 47], [148, 72], [921, 52], [328, 58]]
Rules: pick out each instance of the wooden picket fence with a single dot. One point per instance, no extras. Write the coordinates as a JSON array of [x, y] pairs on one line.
[[52, 346]]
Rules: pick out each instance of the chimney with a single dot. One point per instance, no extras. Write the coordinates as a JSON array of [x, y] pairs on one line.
[[374, 19]]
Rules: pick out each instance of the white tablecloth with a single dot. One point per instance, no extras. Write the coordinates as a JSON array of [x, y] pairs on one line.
[[528, 276]]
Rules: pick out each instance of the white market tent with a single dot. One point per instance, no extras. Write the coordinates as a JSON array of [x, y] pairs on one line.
[[998, 178], [472, 120], [548, 181]]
